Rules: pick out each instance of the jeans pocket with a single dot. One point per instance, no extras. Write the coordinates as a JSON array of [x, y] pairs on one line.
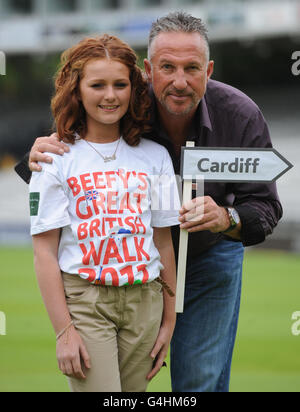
[[156, 287], [76, 289]]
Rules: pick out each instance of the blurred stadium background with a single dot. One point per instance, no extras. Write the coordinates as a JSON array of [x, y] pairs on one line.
[[252, 43]]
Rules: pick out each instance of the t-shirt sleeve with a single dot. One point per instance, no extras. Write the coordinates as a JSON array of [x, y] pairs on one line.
[[48, 203], [165, 202]]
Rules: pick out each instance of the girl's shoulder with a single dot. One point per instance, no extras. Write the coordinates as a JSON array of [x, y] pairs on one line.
[[152, 154], [59, 161], [154, 147]]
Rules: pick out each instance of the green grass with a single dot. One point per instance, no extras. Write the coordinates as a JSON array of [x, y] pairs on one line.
[[266, 356]]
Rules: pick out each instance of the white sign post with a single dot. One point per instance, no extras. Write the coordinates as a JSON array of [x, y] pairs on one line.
[[248, 165], [183, 245]]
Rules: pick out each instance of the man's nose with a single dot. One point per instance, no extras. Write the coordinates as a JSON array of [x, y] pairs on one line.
[[180, 82]]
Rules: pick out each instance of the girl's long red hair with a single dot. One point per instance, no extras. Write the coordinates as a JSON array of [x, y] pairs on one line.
[[68, 111]]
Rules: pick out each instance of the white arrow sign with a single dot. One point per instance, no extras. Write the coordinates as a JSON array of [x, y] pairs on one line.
[[248, 165], [233, 165]]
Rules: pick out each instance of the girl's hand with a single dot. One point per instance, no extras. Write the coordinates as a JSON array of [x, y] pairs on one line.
[[161, 347], [70, 349]]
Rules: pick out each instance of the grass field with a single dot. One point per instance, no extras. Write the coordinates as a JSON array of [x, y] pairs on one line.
[[266, 356]]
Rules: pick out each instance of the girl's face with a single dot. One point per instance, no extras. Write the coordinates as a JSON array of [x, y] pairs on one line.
[[105, 91]]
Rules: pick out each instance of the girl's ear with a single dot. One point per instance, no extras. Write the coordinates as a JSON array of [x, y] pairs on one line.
[[77, 88], [78, 94]]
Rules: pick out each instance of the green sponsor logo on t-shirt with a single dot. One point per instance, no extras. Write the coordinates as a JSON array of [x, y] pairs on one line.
[[34, 200]]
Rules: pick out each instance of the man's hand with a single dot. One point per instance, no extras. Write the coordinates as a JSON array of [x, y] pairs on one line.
[[45, 144], [202, 213]]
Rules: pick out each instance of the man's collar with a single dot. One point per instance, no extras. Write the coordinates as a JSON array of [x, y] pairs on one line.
[[204, 119]]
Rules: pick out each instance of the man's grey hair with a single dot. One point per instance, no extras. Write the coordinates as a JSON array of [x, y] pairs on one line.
[[178, 22]]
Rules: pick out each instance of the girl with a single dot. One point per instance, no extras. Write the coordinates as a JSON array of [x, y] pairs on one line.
[[102, 249]]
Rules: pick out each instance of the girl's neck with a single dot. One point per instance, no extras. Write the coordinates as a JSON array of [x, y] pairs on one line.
[[102, 133]]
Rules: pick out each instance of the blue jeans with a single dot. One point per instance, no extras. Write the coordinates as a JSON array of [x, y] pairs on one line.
[[203, 341]]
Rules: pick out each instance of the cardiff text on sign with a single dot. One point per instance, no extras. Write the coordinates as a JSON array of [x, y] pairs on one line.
[[233, 165]]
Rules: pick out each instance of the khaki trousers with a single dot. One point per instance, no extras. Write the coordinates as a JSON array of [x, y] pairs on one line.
[[119, 326]]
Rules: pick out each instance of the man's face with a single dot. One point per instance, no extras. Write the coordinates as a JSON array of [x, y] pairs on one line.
[[179, 71]]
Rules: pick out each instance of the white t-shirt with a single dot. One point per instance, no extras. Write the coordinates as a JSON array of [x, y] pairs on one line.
[[107, 211]]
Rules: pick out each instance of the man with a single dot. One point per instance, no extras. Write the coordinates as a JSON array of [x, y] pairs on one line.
[[188, 105]]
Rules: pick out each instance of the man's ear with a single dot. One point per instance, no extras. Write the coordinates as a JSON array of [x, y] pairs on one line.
[[210, 69], [148, 70]]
